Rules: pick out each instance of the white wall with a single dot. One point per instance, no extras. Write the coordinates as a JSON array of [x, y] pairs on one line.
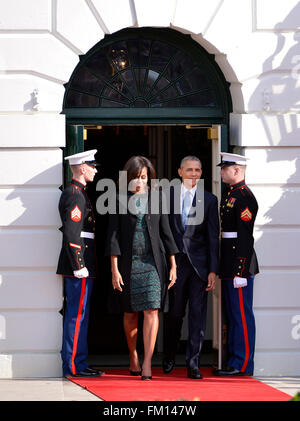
[[30, 292], [257, 47], [273, 175]]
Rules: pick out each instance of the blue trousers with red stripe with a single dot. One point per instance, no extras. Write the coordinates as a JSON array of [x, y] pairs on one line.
[[76, 318], [241, 325]]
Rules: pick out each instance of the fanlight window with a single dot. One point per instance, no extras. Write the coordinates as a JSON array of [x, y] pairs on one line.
[[139, 72]]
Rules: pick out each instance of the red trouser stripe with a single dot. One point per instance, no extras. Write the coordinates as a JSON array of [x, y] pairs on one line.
[[77, 324], [244, 329]]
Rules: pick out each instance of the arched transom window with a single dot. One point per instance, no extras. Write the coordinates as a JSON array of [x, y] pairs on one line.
[[140, 71]]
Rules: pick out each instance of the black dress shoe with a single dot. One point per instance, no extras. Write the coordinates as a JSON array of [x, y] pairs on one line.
[[230, 371], [95, 370], [88, 372], [168, 365], [194, 373]]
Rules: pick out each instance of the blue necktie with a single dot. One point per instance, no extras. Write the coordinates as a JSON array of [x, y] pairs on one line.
[[186, 206]]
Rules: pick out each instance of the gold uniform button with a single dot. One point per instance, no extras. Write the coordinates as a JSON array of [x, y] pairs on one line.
[[233, 247], [238, 273], [86, 246]]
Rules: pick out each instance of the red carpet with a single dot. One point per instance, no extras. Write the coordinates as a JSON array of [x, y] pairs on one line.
[[118, 385]]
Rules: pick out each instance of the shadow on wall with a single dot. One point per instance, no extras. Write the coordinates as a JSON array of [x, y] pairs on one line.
[[30, 291], [276, 99], [279, 93]]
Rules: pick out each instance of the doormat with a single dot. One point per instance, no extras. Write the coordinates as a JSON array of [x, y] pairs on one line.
[[118, 385]]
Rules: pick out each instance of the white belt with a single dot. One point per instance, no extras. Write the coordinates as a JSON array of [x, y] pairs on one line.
[[85, 234], [229, 234]]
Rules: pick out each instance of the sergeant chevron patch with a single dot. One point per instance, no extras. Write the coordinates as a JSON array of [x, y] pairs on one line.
[[76, 214], [246, 214]]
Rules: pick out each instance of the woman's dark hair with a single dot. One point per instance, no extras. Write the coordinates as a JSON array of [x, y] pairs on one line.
[[134, 167]]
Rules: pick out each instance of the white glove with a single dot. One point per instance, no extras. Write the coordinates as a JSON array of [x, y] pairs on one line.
[[81, 273], [239, 282]]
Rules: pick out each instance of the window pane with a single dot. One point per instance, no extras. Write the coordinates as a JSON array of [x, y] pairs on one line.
[[144, 52], [194, 100], [140, 75], [77, 99], [133, 49], [118, 55], [139, 50], [161, 54], [179, 65], [130, 81], [152, 76], [140, 103], [112, 94], [121, 86], [99, 65], [170, 92], [85, 81], [199, 99], [194, 81], [161, 84], [107, 103]]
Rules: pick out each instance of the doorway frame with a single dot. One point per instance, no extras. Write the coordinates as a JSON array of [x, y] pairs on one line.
[[76, 136]]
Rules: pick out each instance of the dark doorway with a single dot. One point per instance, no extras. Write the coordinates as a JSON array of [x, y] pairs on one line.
[[165, 146]]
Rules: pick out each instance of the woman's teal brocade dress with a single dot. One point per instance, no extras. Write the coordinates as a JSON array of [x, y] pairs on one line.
[[145, 286]]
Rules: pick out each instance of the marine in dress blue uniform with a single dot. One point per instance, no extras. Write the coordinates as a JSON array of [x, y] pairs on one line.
[[238, 266], [77, 264]]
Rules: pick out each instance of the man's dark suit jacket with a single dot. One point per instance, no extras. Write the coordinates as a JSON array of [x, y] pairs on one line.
[[200, 242]]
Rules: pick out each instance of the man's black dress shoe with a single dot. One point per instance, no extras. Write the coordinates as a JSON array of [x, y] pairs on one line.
[[230, 371], [168, 365], [194, 373], [95, 370], [89, 372]]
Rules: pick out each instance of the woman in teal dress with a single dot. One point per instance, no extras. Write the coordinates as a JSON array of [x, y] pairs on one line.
[[137, 244]]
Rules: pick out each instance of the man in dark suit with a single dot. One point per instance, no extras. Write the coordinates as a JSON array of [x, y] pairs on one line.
[[195, 228]]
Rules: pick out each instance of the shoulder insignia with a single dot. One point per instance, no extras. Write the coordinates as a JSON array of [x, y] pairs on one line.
[[76, 214], [246, 214]]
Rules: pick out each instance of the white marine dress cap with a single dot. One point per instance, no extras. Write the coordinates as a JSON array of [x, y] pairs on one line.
[[228, 159], [86, 157]]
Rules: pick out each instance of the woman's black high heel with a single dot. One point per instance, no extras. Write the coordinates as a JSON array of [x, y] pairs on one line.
[[135, 373], [146, 377]]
